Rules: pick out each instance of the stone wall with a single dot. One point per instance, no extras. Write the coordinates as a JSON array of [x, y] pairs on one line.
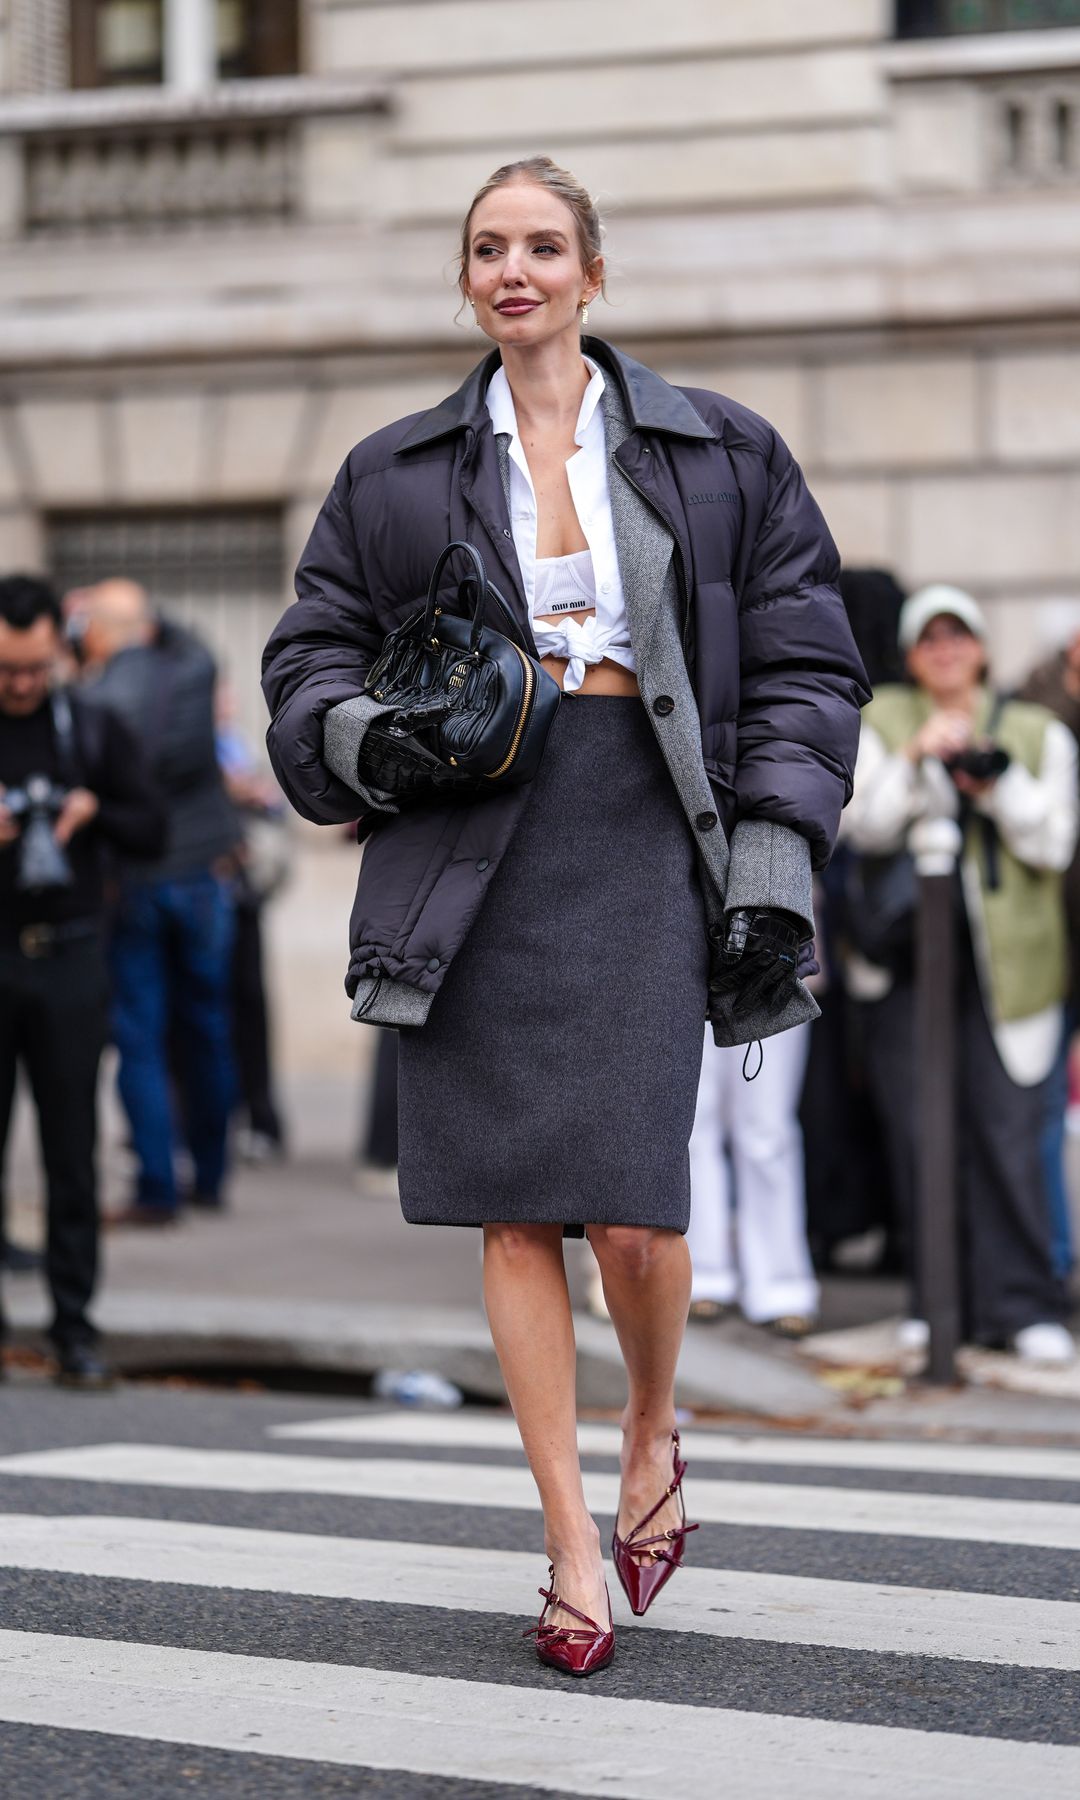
[[958, 464], [693, 104], [33, 45], [823, 224]]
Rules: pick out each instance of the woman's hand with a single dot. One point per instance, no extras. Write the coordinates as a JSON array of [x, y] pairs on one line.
[[757, 966], [942, 736]]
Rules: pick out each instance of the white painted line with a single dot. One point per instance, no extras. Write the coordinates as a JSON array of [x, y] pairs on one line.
[[456, 1431], [569, 1740], [1041, 1524], [718, 1603]]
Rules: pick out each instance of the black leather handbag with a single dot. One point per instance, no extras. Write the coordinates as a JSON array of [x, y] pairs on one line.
[[471, 709]]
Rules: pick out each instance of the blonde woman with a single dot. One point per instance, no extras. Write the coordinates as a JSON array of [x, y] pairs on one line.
[[549, 955]]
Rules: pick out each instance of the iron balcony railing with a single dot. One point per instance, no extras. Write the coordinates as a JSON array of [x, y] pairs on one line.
[[142, 161]]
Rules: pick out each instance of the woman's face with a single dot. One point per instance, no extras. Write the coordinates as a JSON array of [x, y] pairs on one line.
[[524, 270], [948, 658]]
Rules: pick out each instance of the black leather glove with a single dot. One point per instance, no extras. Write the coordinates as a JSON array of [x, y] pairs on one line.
[[420, 710], [757, 963], [395, 762]]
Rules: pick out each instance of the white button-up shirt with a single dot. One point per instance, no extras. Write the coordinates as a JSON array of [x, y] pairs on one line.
[[604, 633]]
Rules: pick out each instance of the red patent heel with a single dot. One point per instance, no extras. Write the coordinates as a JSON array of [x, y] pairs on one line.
[[572, 1649], [641, 1582]]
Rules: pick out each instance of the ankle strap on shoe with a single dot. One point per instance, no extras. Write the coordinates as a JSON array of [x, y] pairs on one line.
[[665, 1537], [563, 1633]]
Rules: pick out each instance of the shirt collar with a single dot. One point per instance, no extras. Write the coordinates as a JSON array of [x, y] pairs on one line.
[[500, 402], [590, 400], [649, 402]]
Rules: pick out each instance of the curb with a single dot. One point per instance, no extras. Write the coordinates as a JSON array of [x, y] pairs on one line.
[[155, 1333]]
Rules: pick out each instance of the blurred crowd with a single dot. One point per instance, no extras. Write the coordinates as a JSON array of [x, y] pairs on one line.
[[809, 1164], [822, 1149], [141, 839], [139, 843]]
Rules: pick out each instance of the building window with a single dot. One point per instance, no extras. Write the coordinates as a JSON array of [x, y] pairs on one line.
[[117, 43], [256, 38], [176, 553], [121, 43], [964, 18]]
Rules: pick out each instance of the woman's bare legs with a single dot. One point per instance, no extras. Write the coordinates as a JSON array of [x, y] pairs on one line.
[[647, 1287], [528, 1309]]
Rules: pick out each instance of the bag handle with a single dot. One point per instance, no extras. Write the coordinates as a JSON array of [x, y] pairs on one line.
[[480, 577]]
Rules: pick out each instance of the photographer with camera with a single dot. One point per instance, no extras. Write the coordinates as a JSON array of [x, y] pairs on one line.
[[946, 746], [72, 787]]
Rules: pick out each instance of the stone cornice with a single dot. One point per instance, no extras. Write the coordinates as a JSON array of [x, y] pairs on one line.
[[106, 109], [991, 54]]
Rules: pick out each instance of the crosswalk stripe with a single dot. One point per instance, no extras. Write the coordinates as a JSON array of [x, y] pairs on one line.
[[719, 1603], [1039, 1524], [425, 1430], [566, 1739]]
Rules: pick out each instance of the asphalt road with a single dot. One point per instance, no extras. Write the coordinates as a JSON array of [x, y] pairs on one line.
[[233, 1594]]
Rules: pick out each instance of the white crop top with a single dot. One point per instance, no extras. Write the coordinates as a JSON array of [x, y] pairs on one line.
[[559, 585], [564, 584]]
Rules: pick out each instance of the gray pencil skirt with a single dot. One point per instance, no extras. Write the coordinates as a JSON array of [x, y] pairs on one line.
[[555, 1079]]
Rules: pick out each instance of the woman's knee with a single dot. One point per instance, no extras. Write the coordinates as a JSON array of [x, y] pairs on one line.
[[515, 1243], [629, 1250]]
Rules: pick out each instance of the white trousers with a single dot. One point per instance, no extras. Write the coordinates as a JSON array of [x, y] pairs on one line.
[[747, 1233]]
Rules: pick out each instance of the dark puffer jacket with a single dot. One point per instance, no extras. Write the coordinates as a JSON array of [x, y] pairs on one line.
[[774, 670]]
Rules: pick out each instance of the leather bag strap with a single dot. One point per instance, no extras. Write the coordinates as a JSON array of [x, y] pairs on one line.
[[480, 578]]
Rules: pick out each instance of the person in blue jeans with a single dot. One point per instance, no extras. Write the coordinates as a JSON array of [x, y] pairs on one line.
[[172, 934], [171, 959]]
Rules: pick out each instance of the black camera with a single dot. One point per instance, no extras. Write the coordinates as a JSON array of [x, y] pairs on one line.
[[41, 861], [984, 763]]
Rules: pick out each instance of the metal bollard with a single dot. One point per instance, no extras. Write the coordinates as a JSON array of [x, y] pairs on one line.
[[936, 845]]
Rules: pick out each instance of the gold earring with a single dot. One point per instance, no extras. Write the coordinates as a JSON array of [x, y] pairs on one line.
[[584, 313]]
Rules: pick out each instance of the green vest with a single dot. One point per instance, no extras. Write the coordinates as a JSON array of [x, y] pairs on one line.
[[1018, 928]]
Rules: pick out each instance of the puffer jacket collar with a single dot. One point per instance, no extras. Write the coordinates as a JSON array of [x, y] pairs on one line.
[[650, 402]]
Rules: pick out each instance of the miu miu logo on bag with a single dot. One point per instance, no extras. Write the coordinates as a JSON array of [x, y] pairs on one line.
[[458, 675]]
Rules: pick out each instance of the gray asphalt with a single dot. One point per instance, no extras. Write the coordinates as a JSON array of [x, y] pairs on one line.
[[208, 1419], [835, 1556], [918, 1692], [90, 1765], [924, 1693]]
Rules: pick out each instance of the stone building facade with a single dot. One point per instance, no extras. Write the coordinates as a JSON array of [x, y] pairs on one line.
[[209, 289]]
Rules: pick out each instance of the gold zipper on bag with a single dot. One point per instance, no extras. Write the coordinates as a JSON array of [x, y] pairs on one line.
[[530, 682]]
